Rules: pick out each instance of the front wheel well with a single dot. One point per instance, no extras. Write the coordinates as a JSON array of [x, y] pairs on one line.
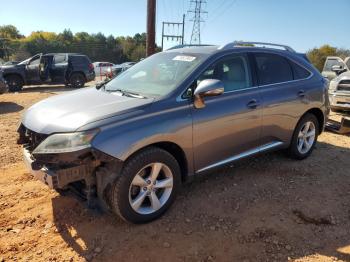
[[176, 151], [319, 115]]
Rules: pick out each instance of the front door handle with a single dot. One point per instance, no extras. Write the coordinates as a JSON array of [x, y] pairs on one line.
[[253, 104], [301, 93]]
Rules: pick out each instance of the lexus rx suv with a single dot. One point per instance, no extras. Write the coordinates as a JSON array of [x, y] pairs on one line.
[[129, 144]]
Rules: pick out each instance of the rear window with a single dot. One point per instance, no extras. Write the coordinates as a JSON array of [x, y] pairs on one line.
[[80, 59], [273, 69], [299, 72]]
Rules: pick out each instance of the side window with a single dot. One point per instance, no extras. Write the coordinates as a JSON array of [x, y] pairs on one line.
[[273, 69], [299, 72], [35, 62], [233, 72], [59, 58], [332, 62]]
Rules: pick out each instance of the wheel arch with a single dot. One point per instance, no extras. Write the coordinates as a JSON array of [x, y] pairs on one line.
[[5, 75], [78, 72], [175, 150], [319, 115]]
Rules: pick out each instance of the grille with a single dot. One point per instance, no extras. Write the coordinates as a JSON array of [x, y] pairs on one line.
[[344, 85], [29, 138]]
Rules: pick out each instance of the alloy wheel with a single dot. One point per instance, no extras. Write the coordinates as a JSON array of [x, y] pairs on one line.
[[306, 137], [151, 188]]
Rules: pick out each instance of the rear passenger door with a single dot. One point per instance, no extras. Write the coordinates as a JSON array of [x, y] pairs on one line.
[[229, 125], [284, 94], [58, 68]]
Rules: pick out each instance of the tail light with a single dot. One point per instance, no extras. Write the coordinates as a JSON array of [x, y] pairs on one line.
[[91, 66]]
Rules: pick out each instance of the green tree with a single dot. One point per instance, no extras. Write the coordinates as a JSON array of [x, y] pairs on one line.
[[318, 56], [10, 32]]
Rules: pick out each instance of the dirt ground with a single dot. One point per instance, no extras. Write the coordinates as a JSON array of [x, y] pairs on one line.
[[268, 208]]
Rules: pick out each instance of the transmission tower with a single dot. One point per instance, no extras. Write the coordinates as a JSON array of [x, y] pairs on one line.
[[197, 20]]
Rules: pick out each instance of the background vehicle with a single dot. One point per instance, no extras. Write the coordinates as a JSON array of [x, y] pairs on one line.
[[3, 85], [58, 68], [334, 66], [132, 141], [11, 63], [101, 68], [117, 69], [339, 92]]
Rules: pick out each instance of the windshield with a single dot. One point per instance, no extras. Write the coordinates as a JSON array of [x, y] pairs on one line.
[[157, 75]]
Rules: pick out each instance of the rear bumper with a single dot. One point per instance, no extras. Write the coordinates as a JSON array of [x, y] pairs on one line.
[[339, 100], [3, 88]]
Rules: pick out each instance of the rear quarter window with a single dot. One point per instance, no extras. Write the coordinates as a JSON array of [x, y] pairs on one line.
[[299, 72], [80, 60]]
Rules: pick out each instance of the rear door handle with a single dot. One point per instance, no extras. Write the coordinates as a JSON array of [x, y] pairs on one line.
[[253, 104], [301, 93]]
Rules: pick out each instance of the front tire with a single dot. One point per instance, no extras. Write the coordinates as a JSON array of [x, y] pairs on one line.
[[14, 82], [304, 137], [146, 187]]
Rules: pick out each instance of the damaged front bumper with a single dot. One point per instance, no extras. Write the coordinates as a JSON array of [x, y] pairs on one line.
[[59, 178], [89, 172]]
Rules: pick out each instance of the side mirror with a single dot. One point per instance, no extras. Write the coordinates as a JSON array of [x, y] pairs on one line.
[[337, 69], [207, 87]]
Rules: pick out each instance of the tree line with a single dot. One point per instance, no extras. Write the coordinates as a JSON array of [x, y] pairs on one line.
[[16, 47]]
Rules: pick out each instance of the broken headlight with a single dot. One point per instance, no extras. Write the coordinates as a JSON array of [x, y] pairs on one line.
[[66, 142]]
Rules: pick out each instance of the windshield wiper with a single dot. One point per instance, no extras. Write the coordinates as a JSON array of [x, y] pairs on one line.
[[127, 93], [102, 84]]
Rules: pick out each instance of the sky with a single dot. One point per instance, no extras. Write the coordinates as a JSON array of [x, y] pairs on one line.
[[302, 24]]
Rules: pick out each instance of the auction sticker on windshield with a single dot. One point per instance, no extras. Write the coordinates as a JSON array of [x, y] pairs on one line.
[[184, 58]]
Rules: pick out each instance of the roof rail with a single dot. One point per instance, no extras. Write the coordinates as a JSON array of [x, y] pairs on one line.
[[182, 46], [242, 43]]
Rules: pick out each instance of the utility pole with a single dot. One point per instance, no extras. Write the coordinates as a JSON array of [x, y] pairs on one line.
[[151, 27], [197, 20], [178, 36]]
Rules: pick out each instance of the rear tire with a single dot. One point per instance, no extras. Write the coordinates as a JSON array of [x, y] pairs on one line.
[[77, 80], [304, 137], [146, 187], [14, 82]]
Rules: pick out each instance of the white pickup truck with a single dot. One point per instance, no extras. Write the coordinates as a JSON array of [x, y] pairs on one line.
[[338, 71]]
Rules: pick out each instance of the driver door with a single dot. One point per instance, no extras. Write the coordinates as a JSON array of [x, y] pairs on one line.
[[230, 124], [33, 70]]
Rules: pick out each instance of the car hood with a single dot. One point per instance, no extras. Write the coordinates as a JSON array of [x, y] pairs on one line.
[[68, 112]]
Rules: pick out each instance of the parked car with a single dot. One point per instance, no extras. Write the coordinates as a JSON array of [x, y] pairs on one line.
[[335, 66], [131, 142], [3, 85], [117, 69], [11, 63], [57, 68], [101, 68]]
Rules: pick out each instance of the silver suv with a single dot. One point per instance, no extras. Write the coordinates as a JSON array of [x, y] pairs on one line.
[[129, 144]]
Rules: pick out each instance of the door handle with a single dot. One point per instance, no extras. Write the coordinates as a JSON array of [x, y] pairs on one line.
[[301, 93], [253, 104]]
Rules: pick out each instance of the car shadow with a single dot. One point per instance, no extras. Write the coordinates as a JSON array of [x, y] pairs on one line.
[[9, 107], [266, 208]]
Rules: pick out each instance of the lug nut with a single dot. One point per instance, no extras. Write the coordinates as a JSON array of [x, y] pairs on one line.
[[145, 189], [148, 181]]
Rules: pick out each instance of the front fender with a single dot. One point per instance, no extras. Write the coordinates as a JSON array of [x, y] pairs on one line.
[[173, 124]]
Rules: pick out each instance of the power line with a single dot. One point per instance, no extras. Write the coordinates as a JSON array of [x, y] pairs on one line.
[[197, 20]]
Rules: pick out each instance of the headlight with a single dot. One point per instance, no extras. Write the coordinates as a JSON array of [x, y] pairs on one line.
[[66, 142]]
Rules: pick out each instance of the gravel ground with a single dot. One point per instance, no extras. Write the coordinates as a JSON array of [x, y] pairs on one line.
[[268, 208]]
